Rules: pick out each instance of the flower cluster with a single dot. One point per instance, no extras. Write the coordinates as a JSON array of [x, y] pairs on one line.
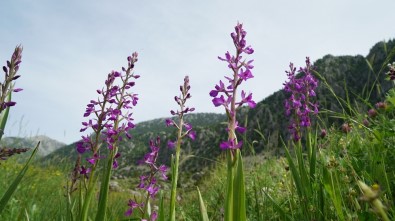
[[112, 119], [148, 182], [8, 152], [10, 72], [225, 94], [391, 72], [299, 104], [181, 101]]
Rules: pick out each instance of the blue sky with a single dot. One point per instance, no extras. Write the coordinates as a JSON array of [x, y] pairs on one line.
[[71, 46]]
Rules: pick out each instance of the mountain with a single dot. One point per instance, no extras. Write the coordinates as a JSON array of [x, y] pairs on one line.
[[47, 145], [356, 79], [209, 133], [361, 79]]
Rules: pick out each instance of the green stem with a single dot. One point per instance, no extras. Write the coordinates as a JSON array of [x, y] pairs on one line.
[[88, 195], [102, 207], [175, 171], [145, 212], [229, 189]]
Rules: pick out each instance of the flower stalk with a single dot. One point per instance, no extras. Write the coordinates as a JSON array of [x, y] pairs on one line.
[[180, 125], [148, 183], [226, 96], [7, 86], [111, 122]]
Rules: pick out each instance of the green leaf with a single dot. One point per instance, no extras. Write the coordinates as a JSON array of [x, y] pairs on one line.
[[161, 212], [203, 210], [87, 200], [278, 208], [103, 198], [334, 193], [148, 209], [294, 172], [229, 188], [7, 195], [4, 117], [239, 198]]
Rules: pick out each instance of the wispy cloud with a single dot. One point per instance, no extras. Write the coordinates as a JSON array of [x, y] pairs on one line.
[[70, 46]]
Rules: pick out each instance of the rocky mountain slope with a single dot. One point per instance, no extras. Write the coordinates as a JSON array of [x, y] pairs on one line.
[[354, 79]]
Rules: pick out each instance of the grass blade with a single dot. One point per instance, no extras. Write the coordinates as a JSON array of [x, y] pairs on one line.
[[229, 188], [161, 212], [203, 210], [239, 198], [7, 195], [103, 198], [278, 208]]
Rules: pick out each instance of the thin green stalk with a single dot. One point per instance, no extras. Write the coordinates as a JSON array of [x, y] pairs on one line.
[[229, 189], [161, 212], [102, 207], [4, 117], [203, 210], [239, 198], [146, 210], [88, 195], [174, 174]]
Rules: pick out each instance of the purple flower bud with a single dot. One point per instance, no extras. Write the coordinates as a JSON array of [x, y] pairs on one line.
[[192, 135], [169, 122], [80, 147], [18, 89], [163, 170], [372, 113], [132, 205], [16, 77], [214, 93], [85, 170], [346, 128], [171, 144], [248, 50], [9, 104], [381, 105], [241, 129], [323, 133], [365, 122], [218, 101], [231, 144], [245, 75]]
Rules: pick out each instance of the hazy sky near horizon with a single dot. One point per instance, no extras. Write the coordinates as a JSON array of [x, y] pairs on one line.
[[71, 46]]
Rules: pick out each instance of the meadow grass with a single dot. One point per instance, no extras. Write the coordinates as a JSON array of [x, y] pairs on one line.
[[344, 172], [364, 153]]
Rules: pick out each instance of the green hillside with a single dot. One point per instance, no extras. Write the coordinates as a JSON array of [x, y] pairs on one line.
[[363, 76]]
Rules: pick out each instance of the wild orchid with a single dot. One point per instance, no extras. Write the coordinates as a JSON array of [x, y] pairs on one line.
[[7, 86], [183, 129], [111, 122], [149, 183], [300, 105], [10, 73], [225, 95]]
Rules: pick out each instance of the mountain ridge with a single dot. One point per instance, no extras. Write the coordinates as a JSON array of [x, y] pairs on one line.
[[47, 144], [363, 75]]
